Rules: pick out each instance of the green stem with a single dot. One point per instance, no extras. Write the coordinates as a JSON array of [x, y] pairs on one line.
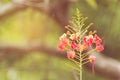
[[80, 65]]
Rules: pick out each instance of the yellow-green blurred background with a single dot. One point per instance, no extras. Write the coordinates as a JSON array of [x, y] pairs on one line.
[[31, 27]]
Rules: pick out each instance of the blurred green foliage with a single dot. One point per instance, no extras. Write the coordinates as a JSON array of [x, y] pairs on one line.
[[92, 3], [29, 25]]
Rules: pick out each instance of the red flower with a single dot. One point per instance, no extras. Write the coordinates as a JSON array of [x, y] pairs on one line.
[[88, 40], [61, 47], [97, 39], [64, 42], [92, 61], [99, 47], [73, 45], [70, 54]]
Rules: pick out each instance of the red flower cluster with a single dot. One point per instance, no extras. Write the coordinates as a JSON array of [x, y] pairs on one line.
[[73, 43]]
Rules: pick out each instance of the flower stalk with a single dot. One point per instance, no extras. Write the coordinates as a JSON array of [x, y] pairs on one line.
[[79, 43], [80, 65]]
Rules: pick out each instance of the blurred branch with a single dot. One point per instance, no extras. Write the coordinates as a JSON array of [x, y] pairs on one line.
[[33, 48], [57, 10], [104, 66], [10, 8]]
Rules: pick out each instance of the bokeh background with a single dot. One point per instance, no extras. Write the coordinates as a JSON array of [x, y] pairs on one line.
[[30, 30]]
